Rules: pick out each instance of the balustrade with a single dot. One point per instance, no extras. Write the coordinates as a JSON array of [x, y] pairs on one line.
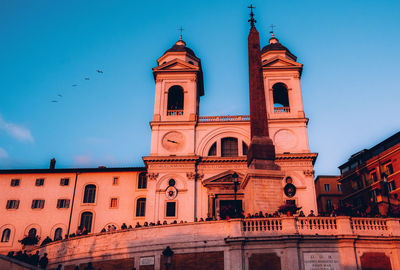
[[174, 112], [262, 224], [370, 225], [281, 109], [225, 118]]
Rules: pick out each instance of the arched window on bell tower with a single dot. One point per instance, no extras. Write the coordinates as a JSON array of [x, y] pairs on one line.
[[281, 98], [175, 100]]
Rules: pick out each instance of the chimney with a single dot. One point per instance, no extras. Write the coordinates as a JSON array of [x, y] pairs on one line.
[[52, 163]]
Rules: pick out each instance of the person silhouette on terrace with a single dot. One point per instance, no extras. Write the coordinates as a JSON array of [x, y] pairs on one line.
[[43, 261]]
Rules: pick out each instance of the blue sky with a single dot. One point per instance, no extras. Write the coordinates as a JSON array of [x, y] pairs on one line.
[[350, 79]]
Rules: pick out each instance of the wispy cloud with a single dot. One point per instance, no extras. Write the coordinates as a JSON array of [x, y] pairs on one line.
[[96, 140], [16, 131], [82, 160], [3, 153]]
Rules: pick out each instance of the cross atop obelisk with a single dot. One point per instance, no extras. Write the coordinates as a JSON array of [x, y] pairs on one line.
[[252, 20]]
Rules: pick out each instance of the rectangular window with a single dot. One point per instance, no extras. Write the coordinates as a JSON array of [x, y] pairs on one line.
[[142, 181], [115, 181], [327, 187], [39, 182], [63, 203], [12, 204], [391, 186], [389, 169], [114, 203], [360, 184], [14, 182], [229, 147], [339, 187], [171, 209], [37, 204], [374, 176], [328, 205], [64, 182], [140, 207]]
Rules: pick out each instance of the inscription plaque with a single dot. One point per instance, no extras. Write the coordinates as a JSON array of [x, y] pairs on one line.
[[146, 261], [321, 261]]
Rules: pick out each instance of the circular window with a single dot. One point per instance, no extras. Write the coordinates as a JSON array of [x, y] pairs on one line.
[[171, 182]]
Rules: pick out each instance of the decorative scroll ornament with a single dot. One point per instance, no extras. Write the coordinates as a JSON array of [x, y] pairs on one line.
[[171, 192], [309, 172], [152, 176]]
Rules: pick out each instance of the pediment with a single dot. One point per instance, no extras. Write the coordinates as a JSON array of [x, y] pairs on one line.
[[224, 178], [176, 64], [281, 62]]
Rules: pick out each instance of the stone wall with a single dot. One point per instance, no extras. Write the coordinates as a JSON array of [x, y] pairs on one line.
[[286, 243]]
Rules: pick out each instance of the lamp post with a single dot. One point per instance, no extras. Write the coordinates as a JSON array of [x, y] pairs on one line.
[[235, 177], [167, 257], [385, 180]]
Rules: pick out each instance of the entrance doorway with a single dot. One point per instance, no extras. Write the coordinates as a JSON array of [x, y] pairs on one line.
[[230, 208]]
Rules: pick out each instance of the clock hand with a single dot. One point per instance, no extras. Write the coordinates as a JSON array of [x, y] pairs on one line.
[[172, 141]]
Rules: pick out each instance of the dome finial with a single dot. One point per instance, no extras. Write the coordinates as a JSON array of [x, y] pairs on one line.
[[273, 39], [181, 30], [180, 42]]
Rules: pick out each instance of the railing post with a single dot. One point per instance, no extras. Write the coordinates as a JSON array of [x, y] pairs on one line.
[[344, 225], [235, 227], [289, 225], [393, 226]]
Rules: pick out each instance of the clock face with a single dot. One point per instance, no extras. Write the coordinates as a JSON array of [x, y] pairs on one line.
[[173, 141]]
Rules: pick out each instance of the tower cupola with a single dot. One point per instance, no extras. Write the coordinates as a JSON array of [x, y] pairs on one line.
[[275, 48]]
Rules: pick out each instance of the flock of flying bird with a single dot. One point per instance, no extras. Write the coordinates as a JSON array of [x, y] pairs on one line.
[[75, 85]]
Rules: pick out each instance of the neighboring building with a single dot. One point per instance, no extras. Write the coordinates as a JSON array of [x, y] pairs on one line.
[[371, 174], [329, 192]]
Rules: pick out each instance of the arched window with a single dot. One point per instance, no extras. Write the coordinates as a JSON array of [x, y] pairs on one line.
[[142, 181], [32, 232], [86, 221], [58, 234], [5, 237], [280, 93], [175, 98], [141, 207], [244, 148], [213, 150], [229, 147], [90, 194]]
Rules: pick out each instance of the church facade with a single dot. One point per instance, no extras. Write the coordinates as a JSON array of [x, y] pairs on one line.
[[197, 166]]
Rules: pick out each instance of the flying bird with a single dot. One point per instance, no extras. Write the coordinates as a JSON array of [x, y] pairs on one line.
[[87, 78], [54, 101], [99, 71], [74, 85], [60, 95]]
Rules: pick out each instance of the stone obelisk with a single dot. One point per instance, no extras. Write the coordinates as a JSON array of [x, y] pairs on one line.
[[263, 182]]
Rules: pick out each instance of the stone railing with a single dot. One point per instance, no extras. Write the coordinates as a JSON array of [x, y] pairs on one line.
[[281, 109], [225, 118], [322, 226], [174, 112], [262, 225]]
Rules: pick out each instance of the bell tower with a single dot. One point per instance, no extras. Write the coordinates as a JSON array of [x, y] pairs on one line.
[[179, 85], [282, 73]]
